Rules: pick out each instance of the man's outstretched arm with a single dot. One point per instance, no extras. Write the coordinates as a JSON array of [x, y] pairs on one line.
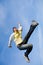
[[20, 28], [10, 40]]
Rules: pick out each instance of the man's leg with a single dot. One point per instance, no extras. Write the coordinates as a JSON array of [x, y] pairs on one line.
[[28, 48], [32, 28]]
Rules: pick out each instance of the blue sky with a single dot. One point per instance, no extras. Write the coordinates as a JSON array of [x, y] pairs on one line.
[[13, 12]]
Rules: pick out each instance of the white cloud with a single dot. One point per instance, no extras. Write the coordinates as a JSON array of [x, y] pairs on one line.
[[2, 15], [40, 44], [39, 10]]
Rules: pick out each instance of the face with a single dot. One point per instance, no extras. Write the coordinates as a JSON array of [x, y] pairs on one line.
[[15, 29]]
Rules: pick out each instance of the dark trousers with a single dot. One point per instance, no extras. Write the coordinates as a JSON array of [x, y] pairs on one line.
[[24, 45]]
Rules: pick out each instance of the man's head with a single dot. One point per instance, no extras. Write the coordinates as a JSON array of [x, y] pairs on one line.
[[14, 29]]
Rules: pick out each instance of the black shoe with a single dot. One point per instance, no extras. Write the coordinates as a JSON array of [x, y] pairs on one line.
[[26, 57], [34, 23]]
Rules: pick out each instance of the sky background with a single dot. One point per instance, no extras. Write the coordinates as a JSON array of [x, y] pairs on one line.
[[13, 12]]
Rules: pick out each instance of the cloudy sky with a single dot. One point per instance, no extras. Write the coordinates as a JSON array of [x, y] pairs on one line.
[[13, 12]]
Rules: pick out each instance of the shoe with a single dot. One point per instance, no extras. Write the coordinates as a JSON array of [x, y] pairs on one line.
[[26, 57], [9, 46], [34, 23]]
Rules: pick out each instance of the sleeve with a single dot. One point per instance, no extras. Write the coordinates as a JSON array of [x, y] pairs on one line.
[[10, 39], [20, 28]]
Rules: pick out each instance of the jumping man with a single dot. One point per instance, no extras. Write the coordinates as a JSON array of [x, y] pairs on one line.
[[22, 43]]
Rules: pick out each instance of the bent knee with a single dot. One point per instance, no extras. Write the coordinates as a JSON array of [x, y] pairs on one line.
[[31, 46]]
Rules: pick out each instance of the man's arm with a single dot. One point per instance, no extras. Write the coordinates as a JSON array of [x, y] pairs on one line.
[[10, 40], [20, 28]]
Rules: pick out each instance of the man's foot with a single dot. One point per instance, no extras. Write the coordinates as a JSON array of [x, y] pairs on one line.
[[9, 46], [26, 57], [34, 23]]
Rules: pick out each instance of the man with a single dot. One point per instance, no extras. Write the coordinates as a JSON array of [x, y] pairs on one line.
[[22, 43]]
